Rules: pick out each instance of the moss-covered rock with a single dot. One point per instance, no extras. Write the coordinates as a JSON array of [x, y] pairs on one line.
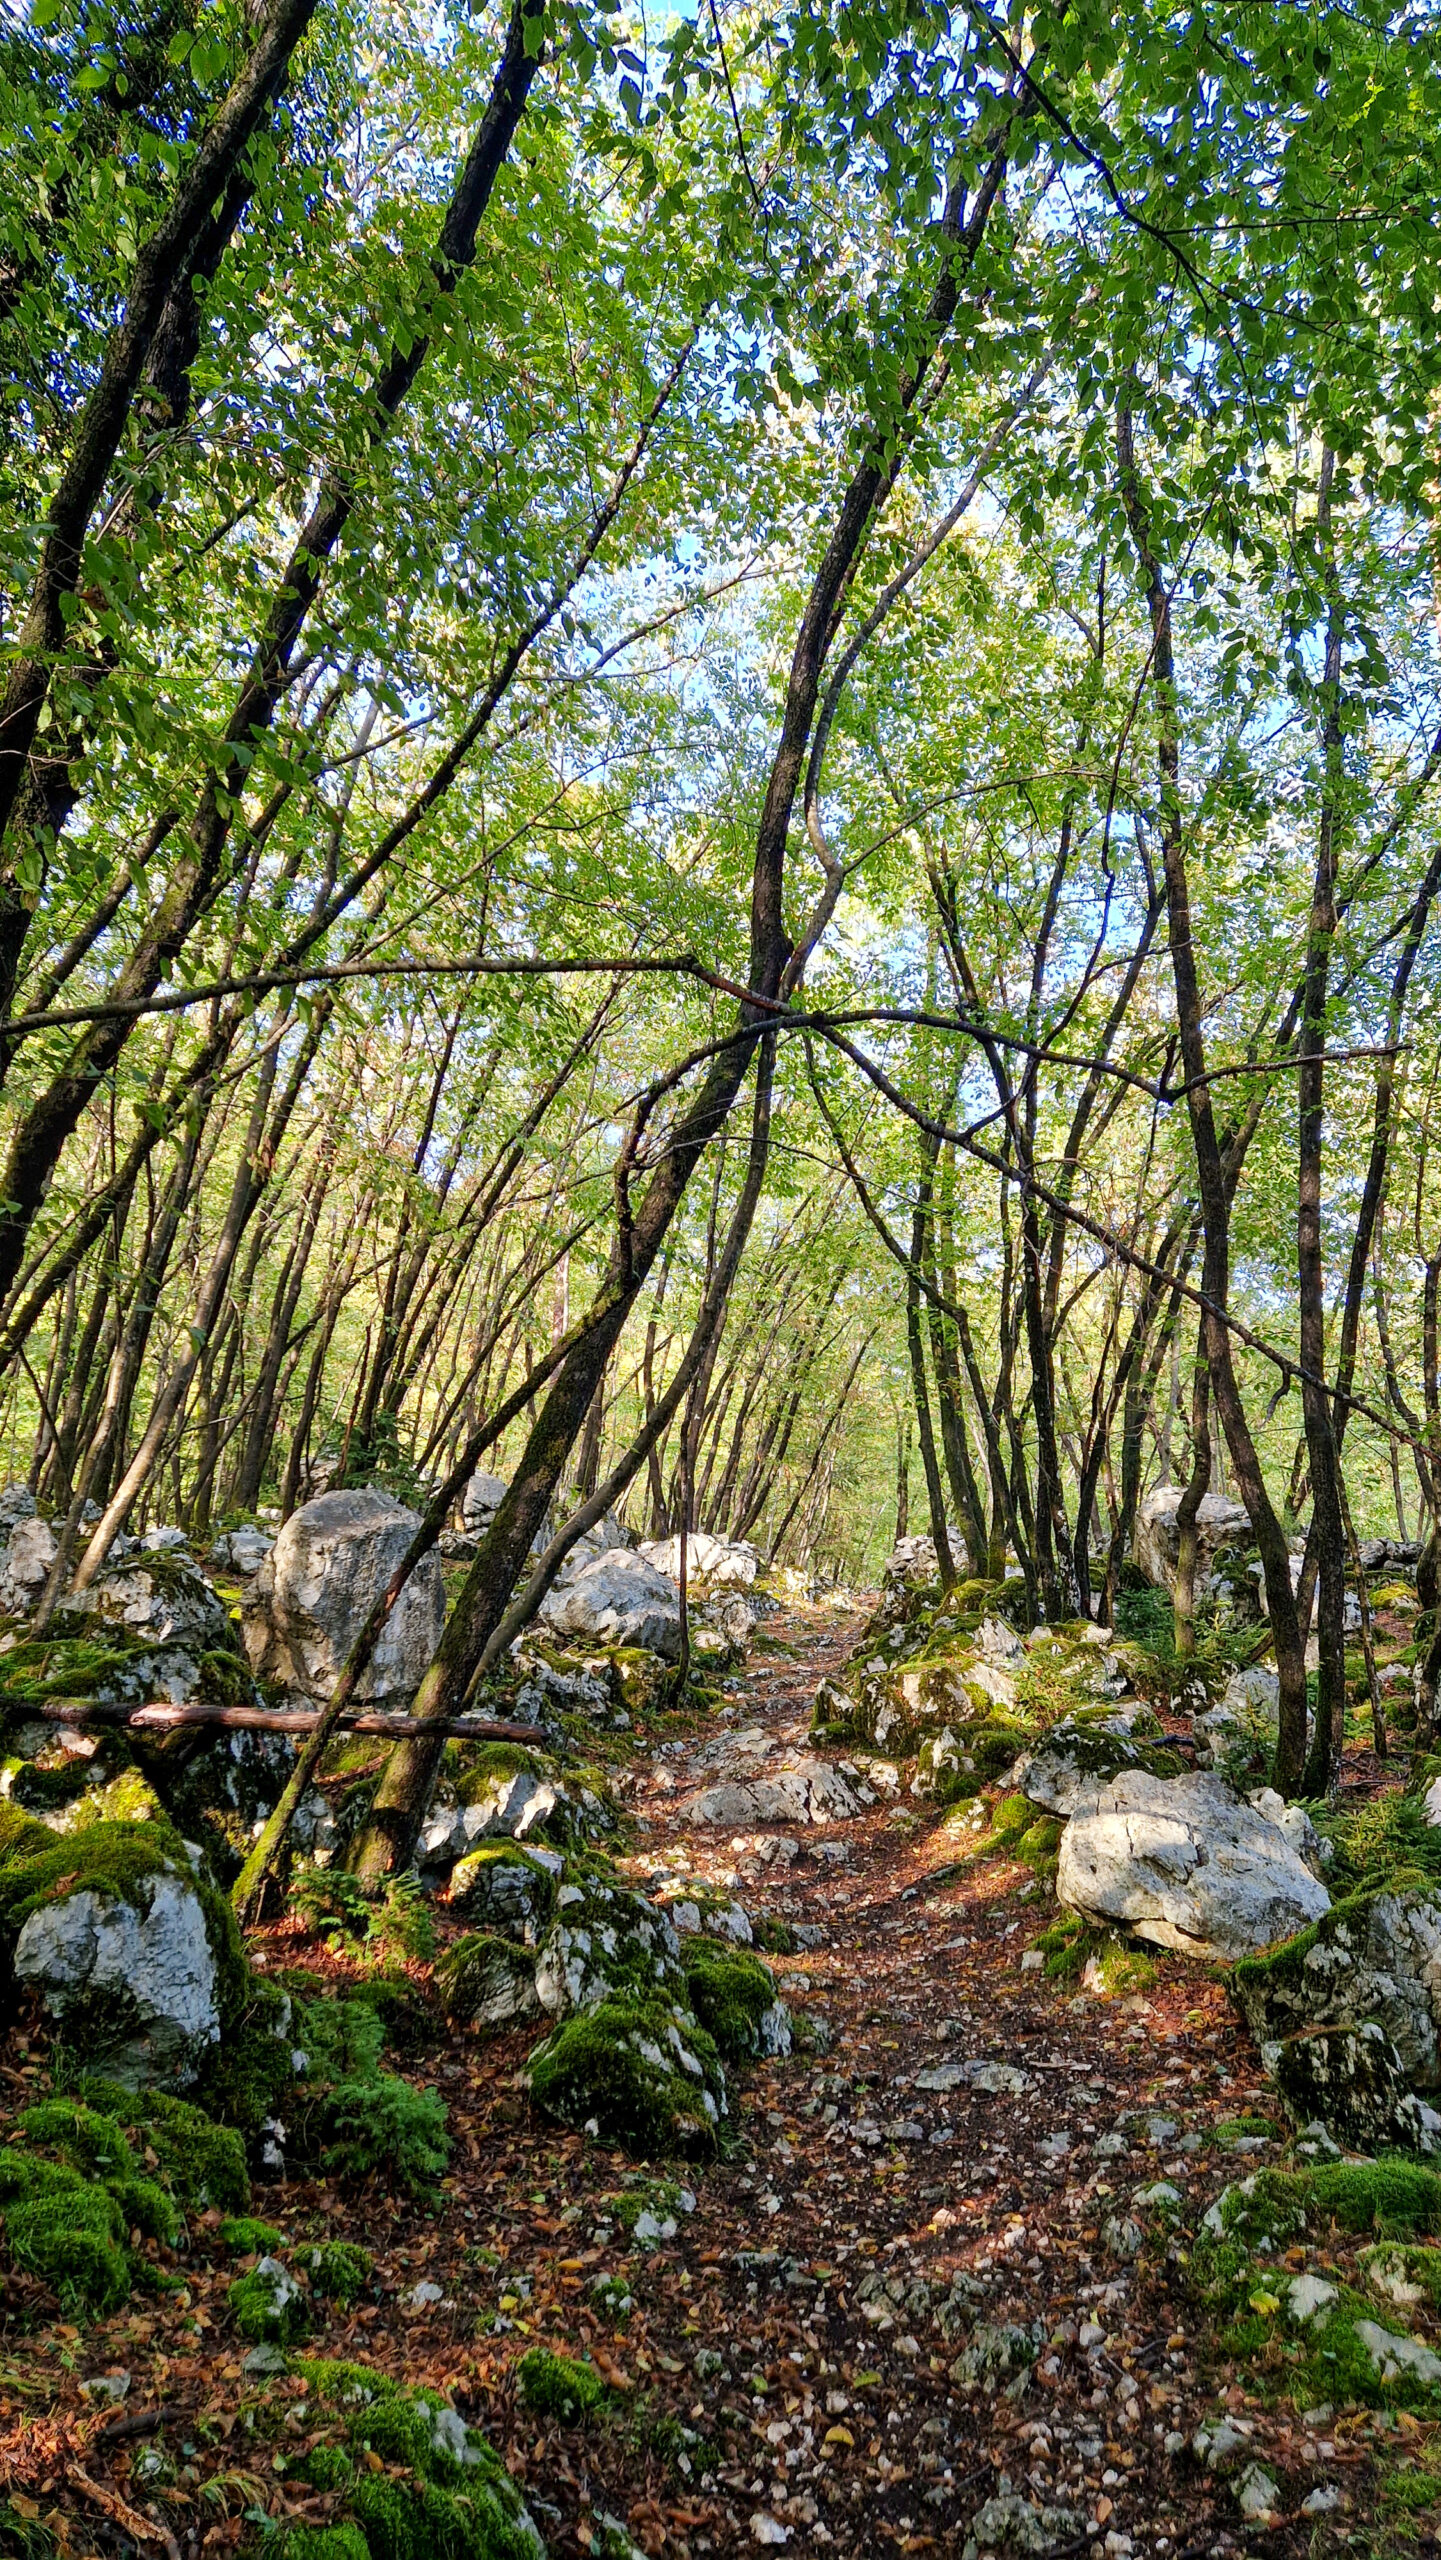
[[556, 2386], [1373, 1958], [1307, 2326], [338, 2270], [487, 1982], [606, 1943], [132, 1952], [734, 1996], [202, 2162], [88, 2172], [427, 2486], [67, 2229], [506, 1888], [639, 2073], [268, 2305]]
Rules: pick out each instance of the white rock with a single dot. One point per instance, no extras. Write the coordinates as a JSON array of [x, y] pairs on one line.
[[1256, 2493], [243, 1550], [1294, 1824], [712, 1563], [1398, 2359], [1308, 2296], [1154, 1546], [765, 2529], [1322, 2501], [1185, 1863], [26, 1557], [618, 1597], [798, 1790], [132, 1983], [329, 1565], [1431, 1803]]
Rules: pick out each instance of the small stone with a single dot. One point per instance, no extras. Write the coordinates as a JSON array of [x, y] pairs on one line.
[[421, 2296], [106, 2388], [1323, 2501], [265, 2359], [1032, 1960], [768, 2530], [1256, 2493], [1398, 2358]]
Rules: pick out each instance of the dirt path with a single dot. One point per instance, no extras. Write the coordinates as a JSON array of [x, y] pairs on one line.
[[783, 2352]]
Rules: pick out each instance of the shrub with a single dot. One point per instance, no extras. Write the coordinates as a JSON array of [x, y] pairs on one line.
[[383, 2124]]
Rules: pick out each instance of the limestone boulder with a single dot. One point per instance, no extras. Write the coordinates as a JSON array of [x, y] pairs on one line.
[[1219, 1525], [27, 1551], [607, 1943], [1186, 1863], [712, 1563], [1374, 1960], [242, 1551], [330, 1563], [617, 1598], [795, 1789], [130, 1979], [1074, 1758]]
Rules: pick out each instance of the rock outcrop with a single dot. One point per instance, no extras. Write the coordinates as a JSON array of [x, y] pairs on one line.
[[1374, 1960], [329, 1565], [1186, 1863], [1219, 1524]]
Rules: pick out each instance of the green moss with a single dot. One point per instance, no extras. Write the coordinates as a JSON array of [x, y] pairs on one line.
[[1038, 1846], [242, 2233], [341, 2384], [623, 2067], [774, 1934], [268, 2305], [1122, 1970], [555, 2386], [327, 2466], [1011, 1817], [344, 2541], [1066, 1945], [1407, 2277], [1243, 2129], [338, 2269], [203, 2163], [732, 1994], [67, 2229]]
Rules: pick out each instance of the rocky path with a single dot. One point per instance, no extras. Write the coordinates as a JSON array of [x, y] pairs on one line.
[[910, 2313]]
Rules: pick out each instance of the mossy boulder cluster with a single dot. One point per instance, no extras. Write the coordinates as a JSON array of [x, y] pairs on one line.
[[1373, 2341], [408, 2475], [646, 2020]]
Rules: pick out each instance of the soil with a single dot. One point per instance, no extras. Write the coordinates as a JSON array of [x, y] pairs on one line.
[[781, 2380]]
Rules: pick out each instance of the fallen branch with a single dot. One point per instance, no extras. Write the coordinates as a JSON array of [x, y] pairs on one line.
[[158, 1715]]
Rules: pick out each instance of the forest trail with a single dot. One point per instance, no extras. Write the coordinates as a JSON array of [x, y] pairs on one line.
[[780, 2332], [796, 2321]]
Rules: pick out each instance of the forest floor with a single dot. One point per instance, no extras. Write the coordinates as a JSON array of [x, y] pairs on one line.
[[780, 2379]]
